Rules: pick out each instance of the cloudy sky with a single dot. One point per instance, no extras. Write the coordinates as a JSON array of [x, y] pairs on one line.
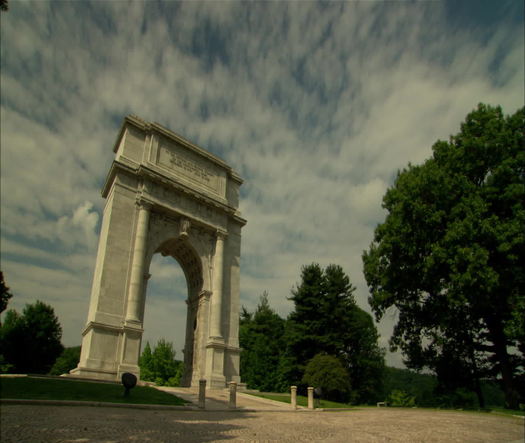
[[315, 104]]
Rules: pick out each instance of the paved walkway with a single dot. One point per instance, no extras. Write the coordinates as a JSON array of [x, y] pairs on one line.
[[66, 424], [218, 400]]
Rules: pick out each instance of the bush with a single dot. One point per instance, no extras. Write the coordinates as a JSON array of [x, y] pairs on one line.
[[160, 365], [460, 398], [328, 373], [68, 360], [398, 398]]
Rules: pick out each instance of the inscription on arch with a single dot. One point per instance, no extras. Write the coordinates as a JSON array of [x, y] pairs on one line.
[[185, 164]]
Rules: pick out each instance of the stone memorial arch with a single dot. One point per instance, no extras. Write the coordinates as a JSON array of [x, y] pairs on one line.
[[165, 195]]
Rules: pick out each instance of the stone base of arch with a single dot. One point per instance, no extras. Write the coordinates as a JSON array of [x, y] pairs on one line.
[[112, 351]]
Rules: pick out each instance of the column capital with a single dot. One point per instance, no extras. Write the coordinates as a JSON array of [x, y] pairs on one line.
[[220, 234], [143, 203], [204, 294]]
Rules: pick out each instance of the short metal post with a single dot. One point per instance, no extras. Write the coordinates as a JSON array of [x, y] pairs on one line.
[[294, 396], [310, 397], [202, 394], [233, 395]]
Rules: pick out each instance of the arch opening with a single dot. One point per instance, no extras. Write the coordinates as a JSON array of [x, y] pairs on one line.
[[179, 279], [165, 307]]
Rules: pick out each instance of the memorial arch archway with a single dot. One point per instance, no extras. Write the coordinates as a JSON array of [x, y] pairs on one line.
[[165, 195]]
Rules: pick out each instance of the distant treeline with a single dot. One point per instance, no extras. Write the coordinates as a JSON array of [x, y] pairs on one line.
[[423, 389]]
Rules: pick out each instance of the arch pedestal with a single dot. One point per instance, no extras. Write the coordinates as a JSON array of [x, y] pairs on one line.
[[165, 195]]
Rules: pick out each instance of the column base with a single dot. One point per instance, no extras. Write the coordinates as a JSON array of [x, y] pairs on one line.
[[216, 382], [93, 374], [123, 368], [215, 364]]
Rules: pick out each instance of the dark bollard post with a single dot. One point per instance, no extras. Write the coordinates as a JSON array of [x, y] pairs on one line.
[[129, 381], [202, 394]]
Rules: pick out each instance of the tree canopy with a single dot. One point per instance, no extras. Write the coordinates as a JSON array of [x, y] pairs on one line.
[[261, 337], [67, 361], [327, 320], [5, 295], [160, 365], [449, 255], [328, 373], [30, 342]]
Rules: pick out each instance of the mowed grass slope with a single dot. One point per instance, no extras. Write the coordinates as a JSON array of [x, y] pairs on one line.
[[63, 389]]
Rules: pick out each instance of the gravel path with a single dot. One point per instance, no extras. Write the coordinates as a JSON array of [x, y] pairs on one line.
[[34, 424]]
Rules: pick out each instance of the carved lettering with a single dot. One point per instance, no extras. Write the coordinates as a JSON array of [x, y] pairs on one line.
[[190, 166]]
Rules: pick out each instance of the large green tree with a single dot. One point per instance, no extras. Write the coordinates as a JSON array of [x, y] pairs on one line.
[[31, 342], [449, 255], [261, 337], [327, 320]]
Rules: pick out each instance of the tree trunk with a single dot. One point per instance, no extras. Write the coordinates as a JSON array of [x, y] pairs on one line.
[[502, 357], [479, 392], [475, 375]]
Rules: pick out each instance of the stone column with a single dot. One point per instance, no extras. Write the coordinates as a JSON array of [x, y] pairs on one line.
[[202, 393], [233, 395], [310, 397], [137, 265], [216, 298], [294, 397]]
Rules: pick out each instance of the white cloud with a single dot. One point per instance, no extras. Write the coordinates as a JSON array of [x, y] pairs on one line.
[[85, 220]]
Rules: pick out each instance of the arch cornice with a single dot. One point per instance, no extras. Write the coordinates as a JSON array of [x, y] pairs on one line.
[[156, 128]]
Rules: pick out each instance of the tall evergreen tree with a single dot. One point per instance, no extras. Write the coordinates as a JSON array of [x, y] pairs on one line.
[[160, 365], [327, 320], [261, 339]]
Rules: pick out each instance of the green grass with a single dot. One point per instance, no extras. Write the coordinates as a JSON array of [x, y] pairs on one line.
[[508, 411], [301, 400], [60, 389]]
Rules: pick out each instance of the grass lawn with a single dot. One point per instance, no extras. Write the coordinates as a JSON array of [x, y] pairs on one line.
[[63, 389], [508, 411], [301, 400]]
